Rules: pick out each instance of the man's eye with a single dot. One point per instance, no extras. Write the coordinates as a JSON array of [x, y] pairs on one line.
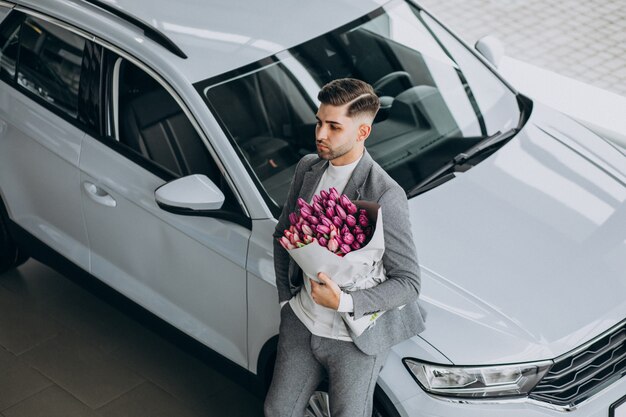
[[333, 127]]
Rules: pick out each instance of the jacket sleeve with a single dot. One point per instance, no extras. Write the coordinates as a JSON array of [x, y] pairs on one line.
[[402, 285], [281, 257]]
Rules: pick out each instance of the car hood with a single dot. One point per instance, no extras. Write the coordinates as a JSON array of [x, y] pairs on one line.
[[523, 257]]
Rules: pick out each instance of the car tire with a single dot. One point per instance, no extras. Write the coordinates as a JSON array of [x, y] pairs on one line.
[[11, 256]]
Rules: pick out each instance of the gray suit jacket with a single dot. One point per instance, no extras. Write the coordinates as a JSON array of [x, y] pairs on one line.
[[371, 183]]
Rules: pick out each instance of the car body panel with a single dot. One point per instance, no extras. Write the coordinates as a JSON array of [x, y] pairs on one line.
[[189, 270], [533, 231], [47, 205]]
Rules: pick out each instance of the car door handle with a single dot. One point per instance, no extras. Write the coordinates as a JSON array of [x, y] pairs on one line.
[[98, 195]]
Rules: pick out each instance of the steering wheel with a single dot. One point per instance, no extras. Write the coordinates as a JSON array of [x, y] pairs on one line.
[[390, 79]]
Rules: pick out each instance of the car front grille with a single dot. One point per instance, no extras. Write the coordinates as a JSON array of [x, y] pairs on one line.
[[580, 374]]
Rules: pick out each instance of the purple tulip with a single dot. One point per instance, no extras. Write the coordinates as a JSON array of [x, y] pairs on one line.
[[345, 229], [344, 201], [322, 241], [302, 203], [364, 221], [322, 228], [306, 229], [347, 238], [350, 220], [318, 208], [330, 212], [357, 229], [326, 221], [324, 194], [298, 227], [345, 248], [332, 245], [305, 212], [337, 221], [351, 208], [340, 212], [355, 245], [334, 194], [317, 199], [312, 220], [293, 218], [339, 240], [360, 238], [362, 212], [330, 203]]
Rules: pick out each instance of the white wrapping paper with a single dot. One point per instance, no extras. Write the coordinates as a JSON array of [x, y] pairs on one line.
[[358, 269]]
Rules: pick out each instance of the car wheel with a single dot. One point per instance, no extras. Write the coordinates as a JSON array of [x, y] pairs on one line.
[[10, 255], [319, 407]]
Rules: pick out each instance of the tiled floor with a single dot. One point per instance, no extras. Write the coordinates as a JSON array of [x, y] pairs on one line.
[[584, 40], [66, 352]]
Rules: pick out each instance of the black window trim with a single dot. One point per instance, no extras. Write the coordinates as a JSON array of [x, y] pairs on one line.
[[244, 219]]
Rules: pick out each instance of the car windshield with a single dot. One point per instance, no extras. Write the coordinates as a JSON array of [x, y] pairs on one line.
[[437, 98]]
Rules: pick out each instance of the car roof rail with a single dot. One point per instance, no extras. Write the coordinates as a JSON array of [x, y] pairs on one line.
[[149, 30]]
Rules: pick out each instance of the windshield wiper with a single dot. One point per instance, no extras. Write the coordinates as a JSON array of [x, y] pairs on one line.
[[447, 171]]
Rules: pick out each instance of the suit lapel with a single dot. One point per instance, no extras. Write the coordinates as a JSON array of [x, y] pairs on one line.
[[354, 186], [311, 179]]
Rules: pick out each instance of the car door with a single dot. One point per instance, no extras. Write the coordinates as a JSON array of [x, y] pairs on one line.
[[41, 128], [187, 269]]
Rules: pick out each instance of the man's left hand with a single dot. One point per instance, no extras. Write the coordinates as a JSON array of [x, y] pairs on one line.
[[327, 293]]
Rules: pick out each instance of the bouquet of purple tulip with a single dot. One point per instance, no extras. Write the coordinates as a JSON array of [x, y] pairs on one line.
[[333, 221], [351, 229]]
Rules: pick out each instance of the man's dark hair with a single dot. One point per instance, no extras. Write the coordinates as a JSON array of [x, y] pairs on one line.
[[361, 96]]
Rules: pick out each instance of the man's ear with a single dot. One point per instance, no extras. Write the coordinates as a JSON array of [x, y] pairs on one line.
[[364, 131]]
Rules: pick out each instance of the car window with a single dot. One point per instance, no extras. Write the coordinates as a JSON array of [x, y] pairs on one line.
[[50, 61], [9, 45], [151, 123], [436, 100]]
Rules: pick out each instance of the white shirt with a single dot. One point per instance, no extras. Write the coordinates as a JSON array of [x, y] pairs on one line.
[[323, 321]]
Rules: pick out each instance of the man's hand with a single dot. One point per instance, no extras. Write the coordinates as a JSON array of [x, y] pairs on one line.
[[327, 293]]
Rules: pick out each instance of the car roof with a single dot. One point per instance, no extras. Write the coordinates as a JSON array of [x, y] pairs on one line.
[[222, 35]]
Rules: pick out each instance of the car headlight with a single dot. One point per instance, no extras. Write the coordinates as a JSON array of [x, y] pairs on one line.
[[477, 381]]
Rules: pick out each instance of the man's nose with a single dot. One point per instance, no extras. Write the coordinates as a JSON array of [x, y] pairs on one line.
[[321, 133]]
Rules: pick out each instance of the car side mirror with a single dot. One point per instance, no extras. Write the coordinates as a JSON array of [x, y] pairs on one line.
[[189, 194], [491, 48]]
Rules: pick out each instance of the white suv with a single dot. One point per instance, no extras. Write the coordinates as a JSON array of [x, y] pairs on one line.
[[151, 145]]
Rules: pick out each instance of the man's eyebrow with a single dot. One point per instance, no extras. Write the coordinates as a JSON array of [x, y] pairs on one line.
[[332, 122]]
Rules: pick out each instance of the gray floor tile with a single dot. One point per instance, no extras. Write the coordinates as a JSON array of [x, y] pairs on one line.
[[6, 358], [21, 328], [50, 402], [81, 368], [17, 382], [147, 400], [37, 283], [101, 323], [185, 377], [48, 293]]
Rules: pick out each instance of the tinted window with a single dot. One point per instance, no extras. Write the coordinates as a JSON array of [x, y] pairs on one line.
[[50, 63], [154, 125], [9, 38]]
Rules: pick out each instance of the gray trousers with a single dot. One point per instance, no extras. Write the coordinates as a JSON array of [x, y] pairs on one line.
[[302, 361]]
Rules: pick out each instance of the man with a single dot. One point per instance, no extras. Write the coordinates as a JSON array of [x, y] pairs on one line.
[[313, 339]]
